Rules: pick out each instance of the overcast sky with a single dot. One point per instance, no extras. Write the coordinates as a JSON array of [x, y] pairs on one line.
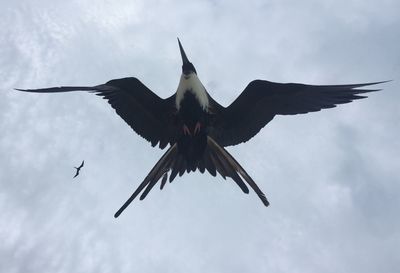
[[332, 177]]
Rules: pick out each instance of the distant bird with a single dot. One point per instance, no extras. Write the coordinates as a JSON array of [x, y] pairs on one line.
[[197, 128], [79, 168]]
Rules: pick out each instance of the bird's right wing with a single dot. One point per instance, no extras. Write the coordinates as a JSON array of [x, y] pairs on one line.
[[146, 113], [261, 100]]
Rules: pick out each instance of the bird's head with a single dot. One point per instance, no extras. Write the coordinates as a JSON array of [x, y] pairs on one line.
[[187, 66]]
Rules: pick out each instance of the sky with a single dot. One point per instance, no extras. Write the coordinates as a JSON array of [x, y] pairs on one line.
[[332, 177]]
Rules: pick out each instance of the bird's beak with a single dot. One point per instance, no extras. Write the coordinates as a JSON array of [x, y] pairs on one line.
[[185, 60], [187, 66]]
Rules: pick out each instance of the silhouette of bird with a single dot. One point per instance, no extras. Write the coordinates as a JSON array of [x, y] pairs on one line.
[[197, 128], [79, 168]]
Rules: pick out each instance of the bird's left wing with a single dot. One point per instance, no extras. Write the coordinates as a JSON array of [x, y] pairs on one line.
[[261, 100], [146, 113]]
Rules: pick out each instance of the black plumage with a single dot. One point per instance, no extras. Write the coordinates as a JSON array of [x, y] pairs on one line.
[[78, 169], [197, 128]]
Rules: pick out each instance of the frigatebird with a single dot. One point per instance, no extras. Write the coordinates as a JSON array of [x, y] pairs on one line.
[[78, 169], [197, 128]]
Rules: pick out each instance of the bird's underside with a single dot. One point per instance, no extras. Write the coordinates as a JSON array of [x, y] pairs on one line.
[[196, 128], [152, 118]]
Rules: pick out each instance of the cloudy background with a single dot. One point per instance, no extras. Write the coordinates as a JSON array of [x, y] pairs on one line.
[[332, 177]]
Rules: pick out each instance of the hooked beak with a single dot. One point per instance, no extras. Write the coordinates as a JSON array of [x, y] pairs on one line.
[[187, 66], [185, 60]]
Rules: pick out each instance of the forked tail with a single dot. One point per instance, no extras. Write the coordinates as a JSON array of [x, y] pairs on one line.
[[215, 159]]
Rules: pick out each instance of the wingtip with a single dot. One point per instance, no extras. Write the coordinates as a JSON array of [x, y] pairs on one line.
[[374, 83], [26, 90]]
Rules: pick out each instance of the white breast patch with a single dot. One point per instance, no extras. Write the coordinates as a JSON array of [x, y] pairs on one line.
[[191, 83]]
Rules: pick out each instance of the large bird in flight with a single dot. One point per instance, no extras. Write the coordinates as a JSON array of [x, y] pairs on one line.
[[197, 128]]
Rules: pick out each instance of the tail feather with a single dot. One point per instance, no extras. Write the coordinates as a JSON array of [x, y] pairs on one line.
[[183, 167], [176, 167], [209, 164], [215, 159], [164, 180], [202, 166], [218, 165], [223, 165], [159, 168], [239, 169], [232, 173], [159, 172]]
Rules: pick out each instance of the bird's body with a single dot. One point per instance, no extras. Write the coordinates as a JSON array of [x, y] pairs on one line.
[[197, 128], [193, 116], [78, 169]]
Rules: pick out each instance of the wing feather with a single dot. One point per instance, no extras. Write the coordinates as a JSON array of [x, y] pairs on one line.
[[146, 113], [262, 100]]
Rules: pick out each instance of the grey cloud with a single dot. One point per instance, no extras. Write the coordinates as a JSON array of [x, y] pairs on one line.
[[331, 177]]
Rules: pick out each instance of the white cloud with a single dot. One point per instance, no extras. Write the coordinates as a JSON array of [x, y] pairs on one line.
[[331, 177]]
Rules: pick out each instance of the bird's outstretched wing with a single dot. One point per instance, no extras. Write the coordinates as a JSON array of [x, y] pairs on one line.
[[262, 100], [76, 172], [145, 112]]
